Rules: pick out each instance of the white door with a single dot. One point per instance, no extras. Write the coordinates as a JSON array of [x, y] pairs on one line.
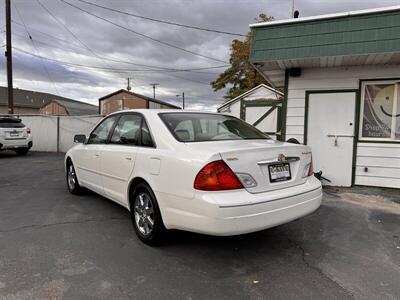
[[87, 160], [118, 156], [330, 133]]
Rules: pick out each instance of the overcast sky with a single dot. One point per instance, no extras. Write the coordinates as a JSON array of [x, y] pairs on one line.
[[108, 41]]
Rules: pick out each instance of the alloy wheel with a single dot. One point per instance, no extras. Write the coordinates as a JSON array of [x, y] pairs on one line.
[[71, 177], [144, 214]]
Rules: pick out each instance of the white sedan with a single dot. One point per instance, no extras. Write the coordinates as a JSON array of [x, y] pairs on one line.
[[201, 172]]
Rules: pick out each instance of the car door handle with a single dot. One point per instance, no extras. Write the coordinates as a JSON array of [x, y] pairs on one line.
[[97, 155], [128, 158]]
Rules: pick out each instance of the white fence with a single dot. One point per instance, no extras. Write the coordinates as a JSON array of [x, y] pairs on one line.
[[56, 133]]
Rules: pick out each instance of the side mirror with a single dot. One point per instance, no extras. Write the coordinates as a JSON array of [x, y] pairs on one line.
[[80, 138]]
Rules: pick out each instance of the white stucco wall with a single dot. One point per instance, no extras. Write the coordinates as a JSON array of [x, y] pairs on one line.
[[44, 130], [382, 160]]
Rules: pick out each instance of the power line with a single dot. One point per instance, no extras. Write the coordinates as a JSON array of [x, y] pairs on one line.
[[128, 62], [34, 46], [141, 34], [71, 64], [51, 45], [73, 34], [106, 69], [44, 33], [155, 68], [162, 21], [112, 59], [103, 68], [189, 79]]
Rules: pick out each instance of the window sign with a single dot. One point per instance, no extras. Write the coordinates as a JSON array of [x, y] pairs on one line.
[[380, 111]]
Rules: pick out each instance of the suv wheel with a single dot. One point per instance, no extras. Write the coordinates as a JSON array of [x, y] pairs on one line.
[[146, 216]]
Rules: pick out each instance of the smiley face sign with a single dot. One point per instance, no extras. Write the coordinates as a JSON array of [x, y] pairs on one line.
[[378, 110]]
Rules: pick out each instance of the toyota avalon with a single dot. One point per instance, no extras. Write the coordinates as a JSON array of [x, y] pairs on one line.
[[201, 172]]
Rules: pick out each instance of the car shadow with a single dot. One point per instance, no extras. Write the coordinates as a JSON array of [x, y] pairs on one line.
[[178, 239], [8, 154]]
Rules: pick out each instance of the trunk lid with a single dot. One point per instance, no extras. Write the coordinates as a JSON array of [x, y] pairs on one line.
[[15, 133], [260, 158]]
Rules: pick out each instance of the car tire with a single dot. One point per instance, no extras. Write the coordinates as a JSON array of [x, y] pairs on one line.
[[146, 216], [72, 180], [22, 151], [293, 141]]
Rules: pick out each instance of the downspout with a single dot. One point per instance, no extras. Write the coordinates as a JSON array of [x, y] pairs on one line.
[[284, 106]]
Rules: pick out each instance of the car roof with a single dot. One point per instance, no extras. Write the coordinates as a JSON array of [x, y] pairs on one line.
[[157, 111]]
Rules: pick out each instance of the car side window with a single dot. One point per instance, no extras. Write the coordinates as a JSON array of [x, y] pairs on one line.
[[127, 130], [100, 134]]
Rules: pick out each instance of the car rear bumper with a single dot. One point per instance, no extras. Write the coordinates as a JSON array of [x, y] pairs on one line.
[[205, 213], [15, 144]]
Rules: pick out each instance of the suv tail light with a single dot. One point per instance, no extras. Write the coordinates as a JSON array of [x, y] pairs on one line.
[[216, 176], [28, 131]]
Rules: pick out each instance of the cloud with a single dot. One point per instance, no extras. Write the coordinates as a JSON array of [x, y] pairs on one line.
[[106, 40]]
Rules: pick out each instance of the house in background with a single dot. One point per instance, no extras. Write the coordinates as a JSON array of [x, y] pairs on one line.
[[32, 102], [261, 107], [123, 99], [341, 76], [68, 107]]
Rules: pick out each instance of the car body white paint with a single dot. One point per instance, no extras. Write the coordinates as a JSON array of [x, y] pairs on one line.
[[170, 169]]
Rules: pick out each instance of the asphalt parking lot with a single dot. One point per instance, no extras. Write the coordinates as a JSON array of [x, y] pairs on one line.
[[54, 245]]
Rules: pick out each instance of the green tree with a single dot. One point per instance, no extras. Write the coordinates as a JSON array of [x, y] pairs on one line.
[[240, 76]]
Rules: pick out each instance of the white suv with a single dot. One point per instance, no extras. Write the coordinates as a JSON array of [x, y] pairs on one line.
[[14, 135]]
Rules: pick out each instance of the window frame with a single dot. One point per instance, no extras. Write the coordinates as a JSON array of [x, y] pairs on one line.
[[396, 100], [97, 126], [119, 115]]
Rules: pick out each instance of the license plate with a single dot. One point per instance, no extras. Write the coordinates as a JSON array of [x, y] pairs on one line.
[[13, 134], [279, 172]]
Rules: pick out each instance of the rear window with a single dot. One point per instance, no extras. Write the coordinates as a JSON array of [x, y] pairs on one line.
[[11, 123], [202, 127]]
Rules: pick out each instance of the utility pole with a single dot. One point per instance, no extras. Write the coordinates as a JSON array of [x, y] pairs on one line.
[[292, 9], [183, 100], [154, 89], [9, 59]]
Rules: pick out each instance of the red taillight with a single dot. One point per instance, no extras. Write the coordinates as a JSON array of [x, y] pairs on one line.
[[310, 169], [216, 176], [28, 131]]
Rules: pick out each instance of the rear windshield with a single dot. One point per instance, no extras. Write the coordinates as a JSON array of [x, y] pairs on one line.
[[11, 123], [202, 127]]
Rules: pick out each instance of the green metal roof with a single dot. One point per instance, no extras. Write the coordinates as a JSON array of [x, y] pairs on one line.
[[357, 34]]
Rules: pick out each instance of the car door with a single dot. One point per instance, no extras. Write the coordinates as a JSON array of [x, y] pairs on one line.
[[118, 156], [87, 158]]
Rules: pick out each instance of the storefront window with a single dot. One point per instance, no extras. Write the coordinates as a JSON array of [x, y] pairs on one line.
[[380, 111]]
